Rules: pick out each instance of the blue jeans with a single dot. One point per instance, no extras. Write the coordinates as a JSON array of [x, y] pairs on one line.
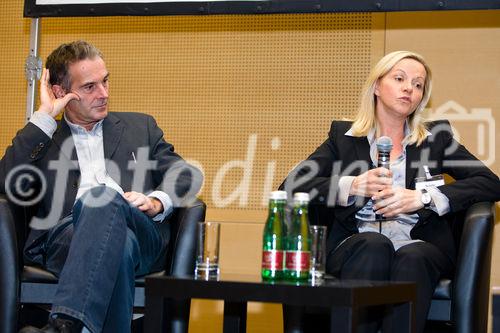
[[97, 252]]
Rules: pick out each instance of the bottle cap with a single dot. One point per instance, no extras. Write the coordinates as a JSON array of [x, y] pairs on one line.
[[278, 195], [301, 196]]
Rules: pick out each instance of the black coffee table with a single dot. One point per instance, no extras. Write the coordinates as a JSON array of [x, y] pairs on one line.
[[342, 298]]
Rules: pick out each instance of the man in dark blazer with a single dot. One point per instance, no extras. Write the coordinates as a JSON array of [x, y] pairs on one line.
[[100, 185]]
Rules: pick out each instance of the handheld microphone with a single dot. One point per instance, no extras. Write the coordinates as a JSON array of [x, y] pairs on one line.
[[384, 147]]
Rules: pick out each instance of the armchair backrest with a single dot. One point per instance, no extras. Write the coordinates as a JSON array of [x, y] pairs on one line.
[[470, 296], [21, 217], [9, 277], [456, 222]]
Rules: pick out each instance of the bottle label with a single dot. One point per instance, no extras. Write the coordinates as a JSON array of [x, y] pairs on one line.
[[272, 260], [298, 260]]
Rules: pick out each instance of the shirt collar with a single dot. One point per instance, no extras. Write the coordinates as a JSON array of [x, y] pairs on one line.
[[371, 134], [96, 130]]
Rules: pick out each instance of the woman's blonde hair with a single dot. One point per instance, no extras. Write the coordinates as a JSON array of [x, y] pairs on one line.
[[365, 119]]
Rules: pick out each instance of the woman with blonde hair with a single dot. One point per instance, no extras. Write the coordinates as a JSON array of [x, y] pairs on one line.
[[388, 223], [366, 119]]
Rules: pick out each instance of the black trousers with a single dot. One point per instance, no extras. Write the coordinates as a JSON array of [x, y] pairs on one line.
[[371, 256]]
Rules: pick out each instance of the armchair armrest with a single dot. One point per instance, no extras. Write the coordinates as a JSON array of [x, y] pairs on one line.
[[181, 258], [183, 246], [472, 277], [9, 269]]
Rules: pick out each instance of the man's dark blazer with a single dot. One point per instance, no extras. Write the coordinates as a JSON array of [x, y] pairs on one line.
[[474, 182], [123, 134]]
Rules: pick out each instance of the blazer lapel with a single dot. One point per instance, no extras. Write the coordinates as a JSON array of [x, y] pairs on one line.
[[362, 148], [63, 139], [112, 131], [412, 165]]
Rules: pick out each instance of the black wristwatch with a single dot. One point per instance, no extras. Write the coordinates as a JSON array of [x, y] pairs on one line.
[[426, 198]]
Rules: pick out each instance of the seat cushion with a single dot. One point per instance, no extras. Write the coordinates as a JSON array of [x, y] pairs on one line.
[[37, 274], [39, 286], [443, 289], [140, 281]]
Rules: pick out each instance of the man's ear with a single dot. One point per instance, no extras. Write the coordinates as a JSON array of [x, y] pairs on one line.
[[58, 91]]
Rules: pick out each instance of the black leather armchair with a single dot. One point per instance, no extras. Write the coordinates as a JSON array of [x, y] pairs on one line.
[[21, 284], [461, 302]]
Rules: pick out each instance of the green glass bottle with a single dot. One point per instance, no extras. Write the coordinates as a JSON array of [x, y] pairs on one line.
[[273, 238], [298, 248]]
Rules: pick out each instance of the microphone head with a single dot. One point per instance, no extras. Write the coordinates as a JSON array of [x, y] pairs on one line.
[[384, 144]]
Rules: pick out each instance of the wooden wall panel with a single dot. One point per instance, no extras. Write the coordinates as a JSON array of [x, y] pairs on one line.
[[14, 41], [260, 89]]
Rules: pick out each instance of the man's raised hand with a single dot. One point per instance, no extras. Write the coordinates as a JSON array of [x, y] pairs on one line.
[[49, 103]]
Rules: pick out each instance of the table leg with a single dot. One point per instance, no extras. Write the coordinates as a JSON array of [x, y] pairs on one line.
[[404, 315], [293, 317], [177, 315], [343, 319], [235, 317], [153, 314]]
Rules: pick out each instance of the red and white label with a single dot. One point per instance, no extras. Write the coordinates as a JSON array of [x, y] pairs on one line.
[[298, 260], [272, 260]]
